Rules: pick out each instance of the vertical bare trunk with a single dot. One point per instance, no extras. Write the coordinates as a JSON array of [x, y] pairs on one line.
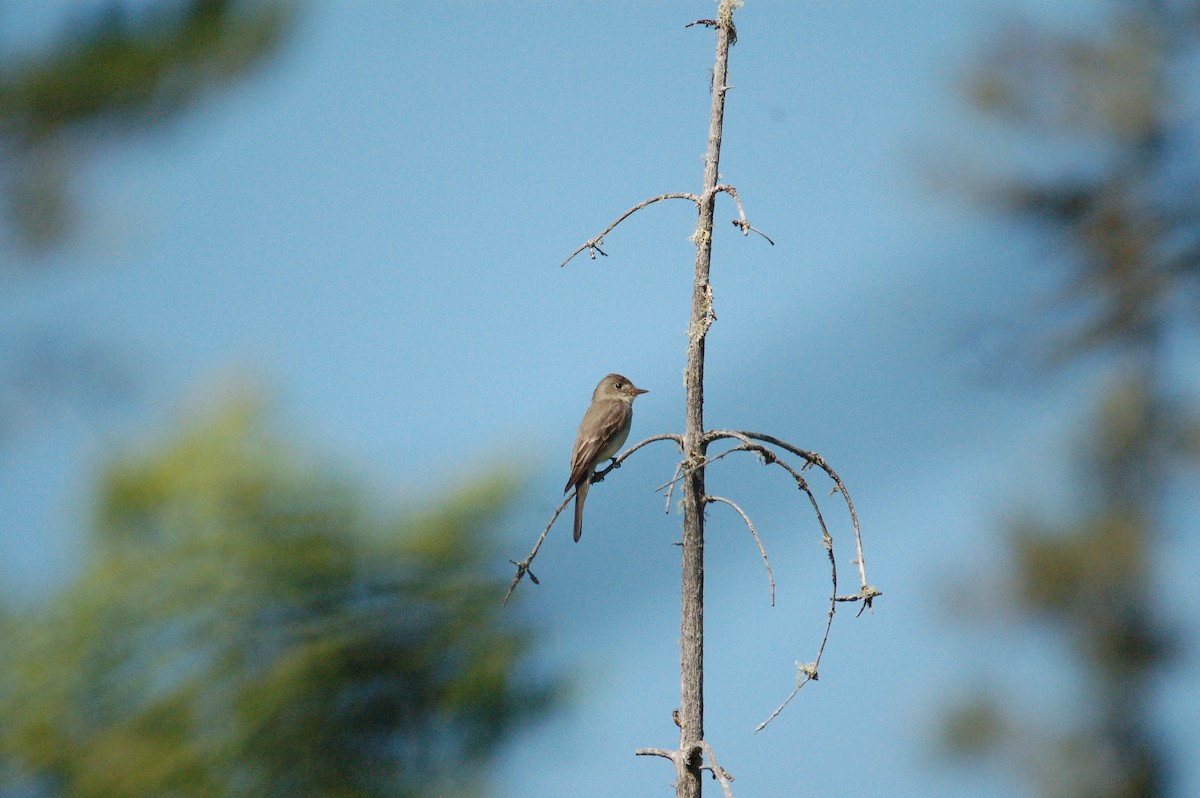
[[691, 643]]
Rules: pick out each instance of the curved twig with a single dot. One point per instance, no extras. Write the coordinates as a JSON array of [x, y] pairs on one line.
[[616, 462], [813, 459], [523, 565], [740, 222], [719, 773], [767, 455], [664, 753], [804, 675], [755, 442], [747, 228], [670, 486], [592, 245], [770, 577]]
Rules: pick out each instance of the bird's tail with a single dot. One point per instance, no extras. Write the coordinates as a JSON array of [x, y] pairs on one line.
[[581, 491]]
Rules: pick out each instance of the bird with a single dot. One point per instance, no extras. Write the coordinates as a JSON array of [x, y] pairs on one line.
[[604, 428]]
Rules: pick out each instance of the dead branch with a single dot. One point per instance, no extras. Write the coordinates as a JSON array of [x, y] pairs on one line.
[[747, 228], [523, 565], [770, 577], [757, 443], [670, 486], [741, 222], [771, 458], [804, 675], [719, 773], [817, 460], [593, 245]]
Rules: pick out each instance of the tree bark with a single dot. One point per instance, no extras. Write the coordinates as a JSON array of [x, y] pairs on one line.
[[691, 641]]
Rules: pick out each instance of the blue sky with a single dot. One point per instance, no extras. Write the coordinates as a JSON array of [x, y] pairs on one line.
[[370, 230]]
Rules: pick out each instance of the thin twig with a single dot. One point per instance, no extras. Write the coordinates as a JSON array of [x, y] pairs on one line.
[[867, 594], [754, 532], [804, 675], [809, 671], [747, 228], [741, 222], [813, 459], [767, 455], [671, 485], [616, 462], [719, 773], [593, 245], [664, 753], [523, 565]]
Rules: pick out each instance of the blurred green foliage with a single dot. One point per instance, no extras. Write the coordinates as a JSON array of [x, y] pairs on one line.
[[120, 72], [248, 625], [1126, 225]]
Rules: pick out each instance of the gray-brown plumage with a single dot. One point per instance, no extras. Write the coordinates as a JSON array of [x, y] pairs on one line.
[[604, 428]]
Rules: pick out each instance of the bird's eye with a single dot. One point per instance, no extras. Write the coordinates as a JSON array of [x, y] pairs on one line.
[[617, 384]]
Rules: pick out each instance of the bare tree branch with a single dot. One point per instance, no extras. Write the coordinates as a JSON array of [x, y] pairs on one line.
[[719, 773], [670, 486], [867, 592], [616, 463], [747, 228], [523, 565], [817, 460], [757, 443], [593, 245], [804, 675], [741, 222], [665, 754], [757, 539]]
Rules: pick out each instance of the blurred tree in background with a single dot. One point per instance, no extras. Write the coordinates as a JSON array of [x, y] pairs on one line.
[[1113, 120], [247, 625], [120, 73], [116, 72]]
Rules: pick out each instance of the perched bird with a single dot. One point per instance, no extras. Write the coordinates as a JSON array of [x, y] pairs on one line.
[[604, 428]]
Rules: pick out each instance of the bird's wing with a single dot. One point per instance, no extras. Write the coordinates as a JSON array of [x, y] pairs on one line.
[[601, 422]]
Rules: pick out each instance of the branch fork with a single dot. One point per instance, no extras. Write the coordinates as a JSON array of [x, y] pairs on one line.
[[695, 759]]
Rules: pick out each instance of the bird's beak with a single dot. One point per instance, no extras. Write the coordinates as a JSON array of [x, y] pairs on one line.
[[636, 391]]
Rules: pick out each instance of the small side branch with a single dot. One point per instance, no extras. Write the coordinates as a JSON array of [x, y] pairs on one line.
[[670, 486], [616, 463], [769, 457], [814, 459], [804, 675], [754, 532], [664, 753], [741, 222], [523, 565], [592, 245], [760, 444], [719, 773]]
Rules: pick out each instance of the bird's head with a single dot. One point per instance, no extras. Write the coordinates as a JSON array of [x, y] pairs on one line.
[[617, 387]]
